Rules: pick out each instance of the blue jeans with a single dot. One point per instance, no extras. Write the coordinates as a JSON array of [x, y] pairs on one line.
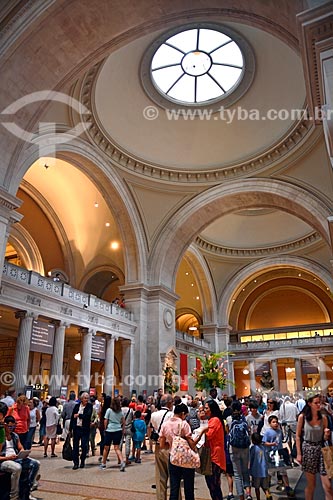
[[80, 435], [240, 462], [31, 433], [176, 474]]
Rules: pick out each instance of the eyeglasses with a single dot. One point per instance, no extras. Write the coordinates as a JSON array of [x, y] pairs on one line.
[[270, 402]]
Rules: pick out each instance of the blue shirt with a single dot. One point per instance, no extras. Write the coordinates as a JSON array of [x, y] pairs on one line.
[[140, 430], [272, 436], [114, 420], [258, 461]]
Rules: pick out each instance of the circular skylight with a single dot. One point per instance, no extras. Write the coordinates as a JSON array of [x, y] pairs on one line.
[[197, 65]]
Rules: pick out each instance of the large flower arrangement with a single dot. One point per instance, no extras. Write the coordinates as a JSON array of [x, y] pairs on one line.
[[212, 372], [170, 379]]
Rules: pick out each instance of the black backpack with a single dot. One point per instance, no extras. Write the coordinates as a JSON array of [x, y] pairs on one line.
[[239, 434]]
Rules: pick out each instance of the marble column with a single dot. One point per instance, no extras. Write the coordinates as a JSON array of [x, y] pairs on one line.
[[231, 376], [109, 365], [85, 368], [57, 359], [8, 217], [322, 375], [253, 386], [127, 374], [298, 374], [275, 375], [21, 362]]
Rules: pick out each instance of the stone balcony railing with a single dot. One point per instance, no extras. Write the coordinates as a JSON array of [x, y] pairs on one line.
[[310, 342], [191, 342], [57, 290]]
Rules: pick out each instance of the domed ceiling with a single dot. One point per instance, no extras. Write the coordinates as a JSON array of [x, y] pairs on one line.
[[126, 115]]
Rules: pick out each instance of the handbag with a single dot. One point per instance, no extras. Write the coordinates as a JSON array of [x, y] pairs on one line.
[[67, 450], [155, 435], [59, 429], [205, 461], [327, 452], [182, 455]]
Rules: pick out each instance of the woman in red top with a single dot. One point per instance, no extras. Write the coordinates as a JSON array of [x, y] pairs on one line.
[[215, 441], [20, 411]]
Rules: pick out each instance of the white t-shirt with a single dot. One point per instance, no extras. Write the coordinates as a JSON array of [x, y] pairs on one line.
[[10, 450]]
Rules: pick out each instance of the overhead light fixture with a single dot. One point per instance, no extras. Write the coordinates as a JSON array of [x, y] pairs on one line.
[[96, 204], [193, 328], [289, 370], [246, 371], [107, 224], [114, 245], [77, 356]]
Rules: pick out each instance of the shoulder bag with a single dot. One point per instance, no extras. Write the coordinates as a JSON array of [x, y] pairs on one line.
[[205, 461], [154, 436], [181, 454]]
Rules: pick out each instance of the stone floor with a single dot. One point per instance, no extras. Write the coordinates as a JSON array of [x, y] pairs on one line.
[[60, 482]]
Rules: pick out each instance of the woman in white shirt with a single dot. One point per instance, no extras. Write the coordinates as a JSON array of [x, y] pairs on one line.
[[52, 418]]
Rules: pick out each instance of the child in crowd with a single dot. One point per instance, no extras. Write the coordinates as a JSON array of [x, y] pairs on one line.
[[272, 440], [139, 432], [259, 467]]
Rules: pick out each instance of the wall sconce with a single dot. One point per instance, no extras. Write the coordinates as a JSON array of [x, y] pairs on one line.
[[246, 371], [77, 356]]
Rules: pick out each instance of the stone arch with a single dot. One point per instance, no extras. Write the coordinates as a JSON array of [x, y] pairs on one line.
[[102, 269], [249, 272], [27, 248], [210, 205], [92, 163], [205, 284]]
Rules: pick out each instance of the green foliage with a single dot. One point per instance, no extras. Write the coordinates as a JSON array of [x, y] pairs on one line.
[[213, 371]]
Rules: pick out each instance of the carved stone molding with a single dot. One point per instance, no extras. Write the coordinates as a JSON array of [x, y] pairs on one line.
[[290, 247], [274, 155], [315, 27]]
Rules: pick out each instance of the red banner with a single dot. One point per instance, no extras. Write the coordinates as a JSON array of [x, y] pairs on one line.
[[183, 372]]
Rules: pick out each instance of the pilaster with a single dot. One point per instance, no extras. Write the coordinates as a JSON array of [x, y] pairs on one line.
[[21, 361], [57, 359]]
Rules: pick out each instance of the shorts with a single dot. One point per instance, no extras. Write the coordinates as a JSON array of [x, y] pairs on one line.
[[137, 444], [312, 458], [112, 438], [262, 482]]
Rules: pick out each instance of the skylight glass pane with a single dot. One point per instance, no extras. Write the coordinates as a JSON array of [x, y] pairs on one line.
[[229, 54], [207, 89], [177, 69], [164, 78], [166, 55], [225, 75], [211, 39], [184, 89], [185, 41]]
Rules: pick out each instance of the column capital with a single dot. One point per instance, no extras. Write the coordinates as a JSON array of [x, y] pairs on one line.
[[25, 314]]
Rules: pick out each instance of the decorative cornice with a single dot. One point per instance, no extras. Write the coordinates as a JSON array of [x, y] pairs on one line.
[[315, 26], [237, 253], [121, 158]]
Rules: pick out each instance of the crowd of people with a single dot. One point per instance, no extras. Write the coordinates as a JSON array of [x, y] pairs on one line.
[[244, 438]]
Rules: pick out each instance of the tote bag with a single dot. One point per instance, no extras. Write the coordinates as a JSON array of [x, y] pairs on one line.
[[327, 452], [182, 455], [67, 450], [205, 461]]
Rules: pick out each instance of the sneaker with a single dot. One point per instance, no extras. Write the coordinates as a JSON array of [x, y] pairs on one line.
[[138, 460], [31, 497], [269, 497], [248, 497], [131, 459], [230, 497], [35, 483], [102, 467], [290, 492], [122, 467]]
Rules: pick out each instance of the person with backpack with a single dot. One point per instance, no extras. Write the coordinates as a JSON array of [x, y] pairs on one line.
[[215, 436], [239, 442]]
